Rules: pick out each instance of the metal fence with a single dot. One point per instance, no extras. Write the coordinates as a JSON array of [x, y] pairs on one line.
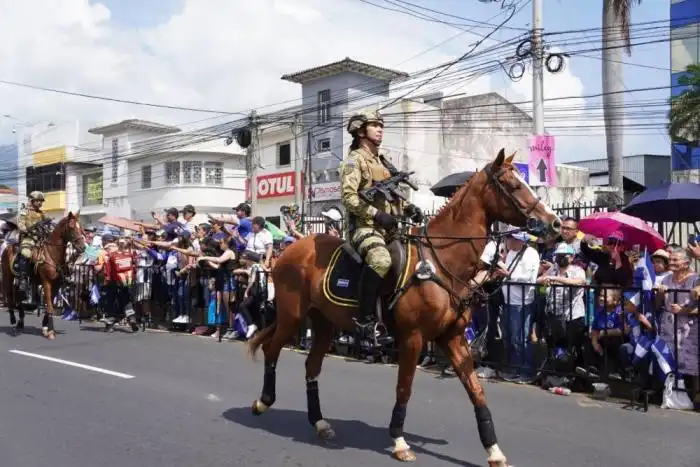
[[577, 334]]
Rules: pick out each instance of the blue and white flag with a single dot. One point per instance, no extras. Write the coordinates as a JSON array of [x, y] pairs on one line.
[[643, 278]]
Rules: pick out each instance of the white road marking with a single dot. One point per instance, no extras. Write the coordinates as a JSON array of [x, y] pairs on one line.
[[213, 398], [73, 364]]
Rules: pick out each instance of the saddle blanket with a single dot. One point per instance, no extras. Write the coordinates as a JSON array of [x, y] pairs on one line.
[[341, 282]]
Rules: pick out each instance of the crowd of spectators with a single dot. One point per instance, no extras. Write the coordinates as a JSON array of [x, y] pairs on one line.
[[555, 313]]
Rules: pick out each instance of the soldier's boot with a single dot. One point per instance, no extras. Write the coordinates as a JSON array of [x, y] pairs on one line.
[[367, 323], [21, 270]]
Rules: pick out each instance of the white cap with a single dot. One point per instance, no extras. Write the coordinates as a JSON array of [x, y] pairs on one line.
[[333, 214]]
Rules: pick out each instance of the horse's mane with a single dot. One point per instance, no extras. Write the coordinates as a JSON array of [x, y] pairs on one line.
[[456, 199]]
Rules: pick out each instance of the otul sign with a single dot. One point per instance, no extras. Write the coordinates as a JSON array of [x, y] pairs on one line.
[[276, 185]]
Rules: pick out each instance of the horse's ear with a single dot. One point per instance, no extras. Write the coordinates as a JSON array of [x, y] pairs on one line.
[[70, 215], [509, 159], [499, 158]]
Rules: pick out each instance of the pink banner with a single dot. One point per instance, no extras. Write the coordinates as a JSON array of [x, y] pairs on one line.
[[542, 164]]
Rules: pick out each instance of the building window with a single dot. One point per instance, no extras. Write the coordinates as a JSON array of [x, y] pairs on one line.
[[324, 106], [172, 173], [214, 173], [192, 172], [684, 47], [115, 160], [145, 176], [324, 145], [92, 189], [284, 154], [46, 178]]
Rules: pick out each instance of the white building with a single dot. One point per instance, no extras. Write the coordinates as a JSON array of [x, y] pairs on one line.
[[432, 136], [152, 167], [277, 168]]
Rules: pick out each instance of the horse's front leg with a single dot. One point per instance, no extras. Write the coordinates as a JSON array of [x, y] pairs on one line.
[[47, 322], [455, 345], [409, 352]]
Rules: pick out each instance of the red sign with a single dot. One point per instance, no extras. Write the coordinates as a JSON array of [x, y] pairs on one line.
[[276, 185], [247, 189]]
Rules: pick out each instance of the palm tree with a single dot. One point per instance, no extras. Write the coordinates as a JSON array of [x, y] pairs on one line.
[[616, 36], [684, 117]]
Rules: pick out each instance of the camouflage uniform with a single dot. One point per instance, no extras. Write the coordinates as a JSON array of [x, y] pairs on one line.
[[28, 217], [360, 170], [369, 224]]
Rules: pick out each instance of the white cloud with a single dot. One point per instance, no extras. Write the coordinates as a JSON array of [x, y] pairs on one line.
[[219, 54]]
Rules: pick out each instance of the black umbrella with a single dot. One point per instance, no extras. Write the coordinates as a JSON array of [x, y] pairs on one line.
[[448, 185], [674, 202]]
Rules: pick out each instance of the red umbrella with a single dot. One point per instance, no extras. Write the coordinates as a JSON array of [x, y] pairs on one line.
[[636, 231]]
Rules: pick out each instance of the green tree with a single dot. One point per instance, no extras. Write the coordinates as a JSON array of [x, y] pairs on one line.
[[684, 116], [616, 37]]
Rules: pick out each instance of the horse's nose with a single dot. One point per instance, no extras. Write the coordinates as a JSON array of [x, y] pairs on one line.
[[556, 225]]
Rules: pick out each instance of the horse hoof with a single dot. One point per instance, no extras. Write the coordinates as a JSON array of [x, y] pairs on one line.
[[45, 331], [502, 463], [258, 408], [324, 430], [51, 335], [405, 456]]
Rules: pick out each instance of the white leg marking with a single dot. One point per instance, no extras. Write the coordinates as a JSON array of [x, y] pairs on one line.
[[73, 364], [400, 444], [495, 454], [322, 425]]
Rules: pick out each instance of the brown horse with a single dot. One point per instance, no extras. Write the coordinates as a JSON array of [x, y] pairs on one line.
[[426, 309], [47, 269]]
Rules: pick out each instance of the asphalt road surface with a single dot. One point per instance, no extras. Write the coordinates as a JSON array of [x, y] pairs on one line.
[[154, 399]]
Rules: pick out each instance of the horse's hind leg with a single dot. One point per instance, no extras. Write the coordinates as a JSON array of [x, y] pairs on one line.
[[274, 338], [322, 338], [455, 345]]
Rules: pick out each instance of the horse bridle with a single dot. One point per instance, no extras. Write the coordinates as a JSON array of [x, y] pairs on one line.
[[424, 272]]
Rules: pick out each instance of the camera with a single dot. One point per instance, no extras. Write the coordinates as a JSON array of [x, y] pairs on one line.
[[286, 210]]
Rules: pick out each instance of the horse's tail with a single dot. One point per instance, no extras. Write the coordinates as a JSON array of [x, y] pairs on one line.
[[262, 337]]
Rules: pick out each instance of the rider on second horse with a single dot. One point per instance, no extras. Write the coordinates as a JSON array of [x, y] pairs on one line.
[[370, 225], [28, 217]]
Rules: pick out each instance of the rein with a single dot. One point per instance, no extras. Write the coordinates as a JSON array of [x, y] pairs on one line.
[[425, 273]]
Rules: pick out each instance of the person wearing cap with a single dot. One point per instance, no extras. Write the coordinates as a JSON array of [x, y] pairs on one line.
[[614, 266], [258, 240], [660, 258], [188, 213], [332, 219], [565, 281], [523, 262], [370, 224]]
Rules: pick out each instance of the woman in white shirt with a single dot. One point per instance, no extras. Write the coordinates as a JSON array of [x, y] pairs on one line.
[[260, 241]]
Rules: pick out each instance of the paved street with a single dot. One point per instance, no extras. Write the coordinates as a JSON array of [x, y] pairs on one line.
[[177, 401]]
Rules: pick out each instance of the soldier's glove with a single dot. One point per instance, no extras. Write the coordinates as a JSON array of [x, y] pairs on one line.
[[385, 221], [414, 213]]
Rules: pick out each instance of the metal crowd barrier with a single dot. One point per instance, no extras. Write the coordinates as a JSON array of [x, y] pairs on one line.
[[530, 329]]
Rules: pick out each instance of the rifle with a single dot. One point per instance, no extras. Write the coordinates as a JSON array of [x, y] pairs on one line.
[[388, 188]]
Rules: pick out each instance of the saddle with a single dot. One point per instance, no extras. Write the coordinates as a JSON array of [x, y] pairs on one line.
[[341, 280]]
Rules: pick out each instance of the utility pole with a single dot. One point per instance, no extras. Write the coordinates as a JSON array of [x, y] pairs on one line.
[[251, 163], [537, 68]]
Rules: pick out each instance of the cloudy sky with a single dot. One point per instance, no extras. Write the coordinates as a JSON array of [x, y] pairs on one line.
[[228, 56]]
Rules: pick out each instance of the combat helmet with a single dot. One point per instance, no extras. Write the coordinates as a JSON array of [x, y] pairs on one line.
[[359, 120], [36, 196]]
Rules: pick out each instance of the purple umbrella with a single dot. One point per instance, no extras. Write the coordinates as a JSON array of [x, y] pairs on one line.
[[675, 202]]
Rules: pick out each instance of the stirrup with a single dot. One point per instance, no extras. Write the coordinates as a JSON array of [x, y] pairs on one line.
[[381, 335]]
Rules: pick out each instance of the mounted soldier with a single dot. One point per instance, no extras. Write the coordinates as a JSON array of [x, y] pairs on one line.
[[29, 216], [371, 225]]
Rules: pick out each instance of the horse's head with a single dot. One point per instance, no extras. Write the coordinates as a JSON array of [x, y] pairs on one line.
[[508, 198], [69, 230]]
